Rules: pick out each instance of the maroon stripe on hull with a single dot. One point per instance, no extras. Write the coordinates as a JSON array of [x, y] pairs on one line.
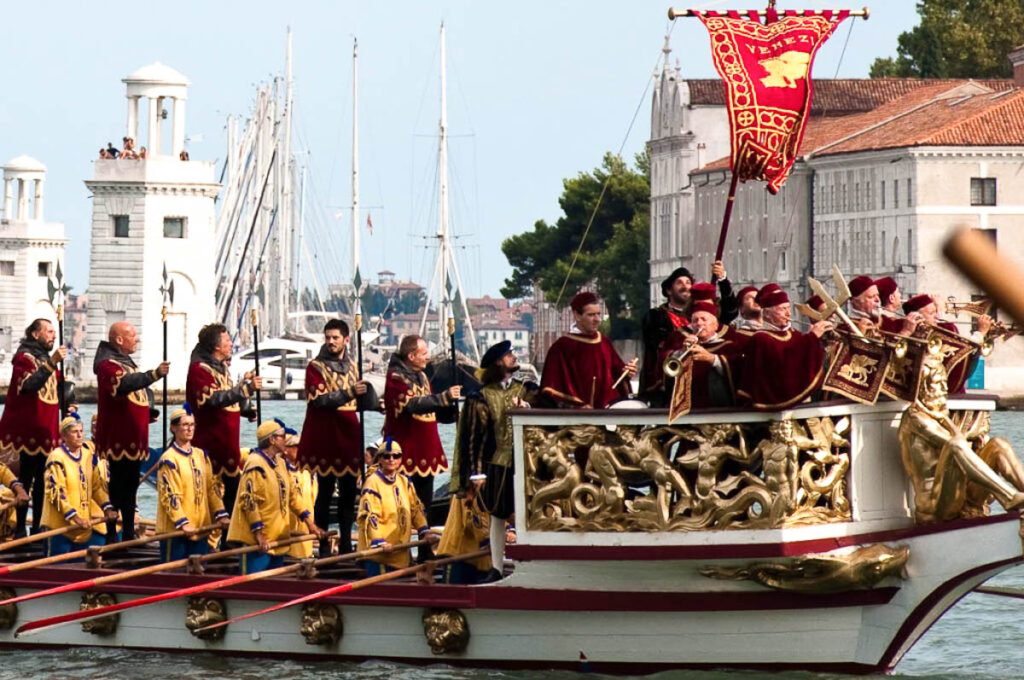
[[525, 553], [608, 667], [467, 597], [889, 658]]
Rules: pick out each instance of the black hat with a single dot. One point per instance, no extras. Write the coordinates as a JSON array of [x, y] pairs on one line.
[[495, 352], [667, 283]]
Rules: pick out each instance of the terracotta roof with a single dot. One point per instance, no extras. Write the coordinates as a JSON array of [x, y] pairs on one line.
[[841, 96], [942, 113]]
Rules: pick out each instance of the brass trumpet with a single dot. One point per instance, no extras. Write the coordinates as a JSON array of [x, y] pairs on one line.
[[673, 364], [901, 343], [972, 308]]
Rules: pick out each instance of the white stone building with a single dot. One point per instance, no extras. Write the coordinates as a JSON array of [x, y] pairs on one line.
[[148, 214], [490, 332], [30, 250]]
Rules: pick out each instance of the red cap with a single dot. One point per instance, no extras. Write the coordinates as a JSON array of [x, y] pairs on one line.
[[581, 300], [704, 306], [771, 295], [745, 290], [859, 284], [702, 291], [917, 303], [886, 287], [815, 302]]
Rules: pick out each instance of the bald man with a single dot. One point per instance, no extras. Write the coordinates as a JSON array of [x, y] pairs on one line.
[[123, 417]]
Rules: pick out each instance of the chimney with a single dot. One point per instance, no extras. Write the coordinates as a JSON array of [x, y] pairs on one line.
[[1017, 59]]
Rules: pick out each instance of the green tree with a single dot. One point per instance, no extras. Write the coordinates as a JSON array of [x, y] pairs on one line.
[[614, 255], [411, 301], [957, 39]]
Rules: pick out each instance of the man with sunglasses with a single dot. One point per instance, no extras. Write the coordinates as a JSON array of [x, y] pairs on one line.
[[267, 497]]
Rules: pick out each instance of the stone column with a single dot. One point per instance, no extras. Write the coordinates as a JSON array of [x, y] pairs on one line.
[[8, 198], [153, 141], [178, 136], [133, 118], [22, 199], [37, 205]]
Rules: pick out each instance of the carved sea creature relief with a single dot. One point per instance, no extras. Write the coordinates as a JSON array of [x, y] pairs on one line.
[[206, 611], [860, 569], [686, 478], [8, 612], [321, 623]]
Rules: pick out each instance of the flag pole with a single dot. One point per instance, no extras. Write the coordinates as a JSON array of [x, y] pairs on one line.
[[255, 320]]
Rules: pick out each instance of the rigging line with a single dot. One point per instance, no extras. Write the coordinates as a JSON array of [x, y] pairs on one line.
[[607, 181], [789, 222]]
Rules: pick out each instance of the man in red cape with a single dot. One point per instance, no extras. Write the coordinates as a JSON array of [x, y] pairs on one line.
[[893, 320], [123, 417], [922, 310], [411, 414], [31, 415], [582, 366], [781, 366], [216, 404], [332, 442]]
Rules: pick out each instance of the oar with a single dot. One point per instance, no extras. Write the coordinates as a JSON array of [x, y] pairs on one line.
[[45, 534], [1005, 592], [348, 587], [39, 626], [143, 571], [74, 555]]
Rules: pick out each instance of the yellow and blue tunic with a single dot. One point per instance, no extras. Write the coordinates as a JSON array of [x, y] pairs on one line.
[[8, 518], [188, 493], [267, 496], [389, 510], [466, 530], [306, 483], [73, 481]]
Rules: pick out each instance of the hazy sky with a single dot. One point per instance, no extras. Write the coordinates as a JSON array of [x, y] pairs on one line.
[[538, 91]]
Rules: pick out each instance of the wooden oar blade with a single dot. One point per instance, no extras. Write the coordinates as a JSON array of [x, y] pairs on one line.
[[56, 590]]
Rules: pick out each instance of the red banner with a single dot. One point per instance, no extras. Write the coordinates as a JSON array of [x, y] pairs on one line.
[[767, 73]]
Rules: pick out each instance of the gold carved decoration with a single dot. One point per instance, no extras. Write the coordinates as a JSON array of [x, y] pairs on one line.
[[105, 625], [955, 467], [8, 612], [709, 476], [206, 611], [858, 570], [447, 630], [321, 623]]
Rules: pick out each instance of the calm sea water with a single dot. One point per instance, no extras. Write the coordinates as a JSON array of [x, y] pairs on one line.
[[978, 639]]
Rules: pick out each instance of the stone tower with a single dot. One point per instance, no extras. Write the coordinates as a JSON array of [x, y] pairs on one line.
[[30, 250], [148, 214]]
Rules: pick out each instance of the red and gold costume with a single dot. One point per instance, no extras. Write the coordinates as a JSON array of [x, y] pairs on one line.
[[216, 404], [579, 371], [31, 411], [780, 369], [122, 424], [411, 414], [332, 443]]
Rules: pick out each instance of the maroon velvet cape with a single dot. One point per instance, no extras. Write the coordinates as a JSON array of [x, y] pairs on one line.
[[218, 428], [579, 371], [780, 369], [122, 422], [30, 421], [331, 443]]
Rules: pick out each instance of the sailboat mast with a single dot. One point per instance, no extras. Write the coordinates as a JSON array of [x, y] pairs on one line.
[[444, 308], [355, 169], [287, 240]]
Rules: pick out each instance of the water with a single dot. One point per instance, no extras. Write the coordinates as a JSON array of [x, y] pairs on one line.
[[976, 639]]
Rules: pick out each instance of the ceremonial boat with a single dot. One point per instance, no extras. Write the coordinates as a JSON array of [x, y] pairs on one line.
[[727, 539]]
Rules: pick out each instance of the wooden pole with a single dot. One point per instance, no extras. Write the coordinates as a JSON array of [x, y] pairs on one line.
[[163, 317], [358, 322], [256, 350], [76, 554], [44, 534], [726, 218], [61, 398], [144, 571], [976, 256], [349, 587]]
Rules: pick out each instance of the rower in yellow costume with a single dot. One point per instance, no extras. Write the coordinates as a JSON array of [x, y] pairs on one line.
[[72, 482], [307, 485], [103, 470], [467, 529], [187, 491], [267, 497], [388, 510], [12, 494]]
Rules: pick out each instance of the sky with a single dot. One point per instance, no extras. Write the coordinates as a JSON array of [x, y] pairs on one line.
[[538, 91]]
